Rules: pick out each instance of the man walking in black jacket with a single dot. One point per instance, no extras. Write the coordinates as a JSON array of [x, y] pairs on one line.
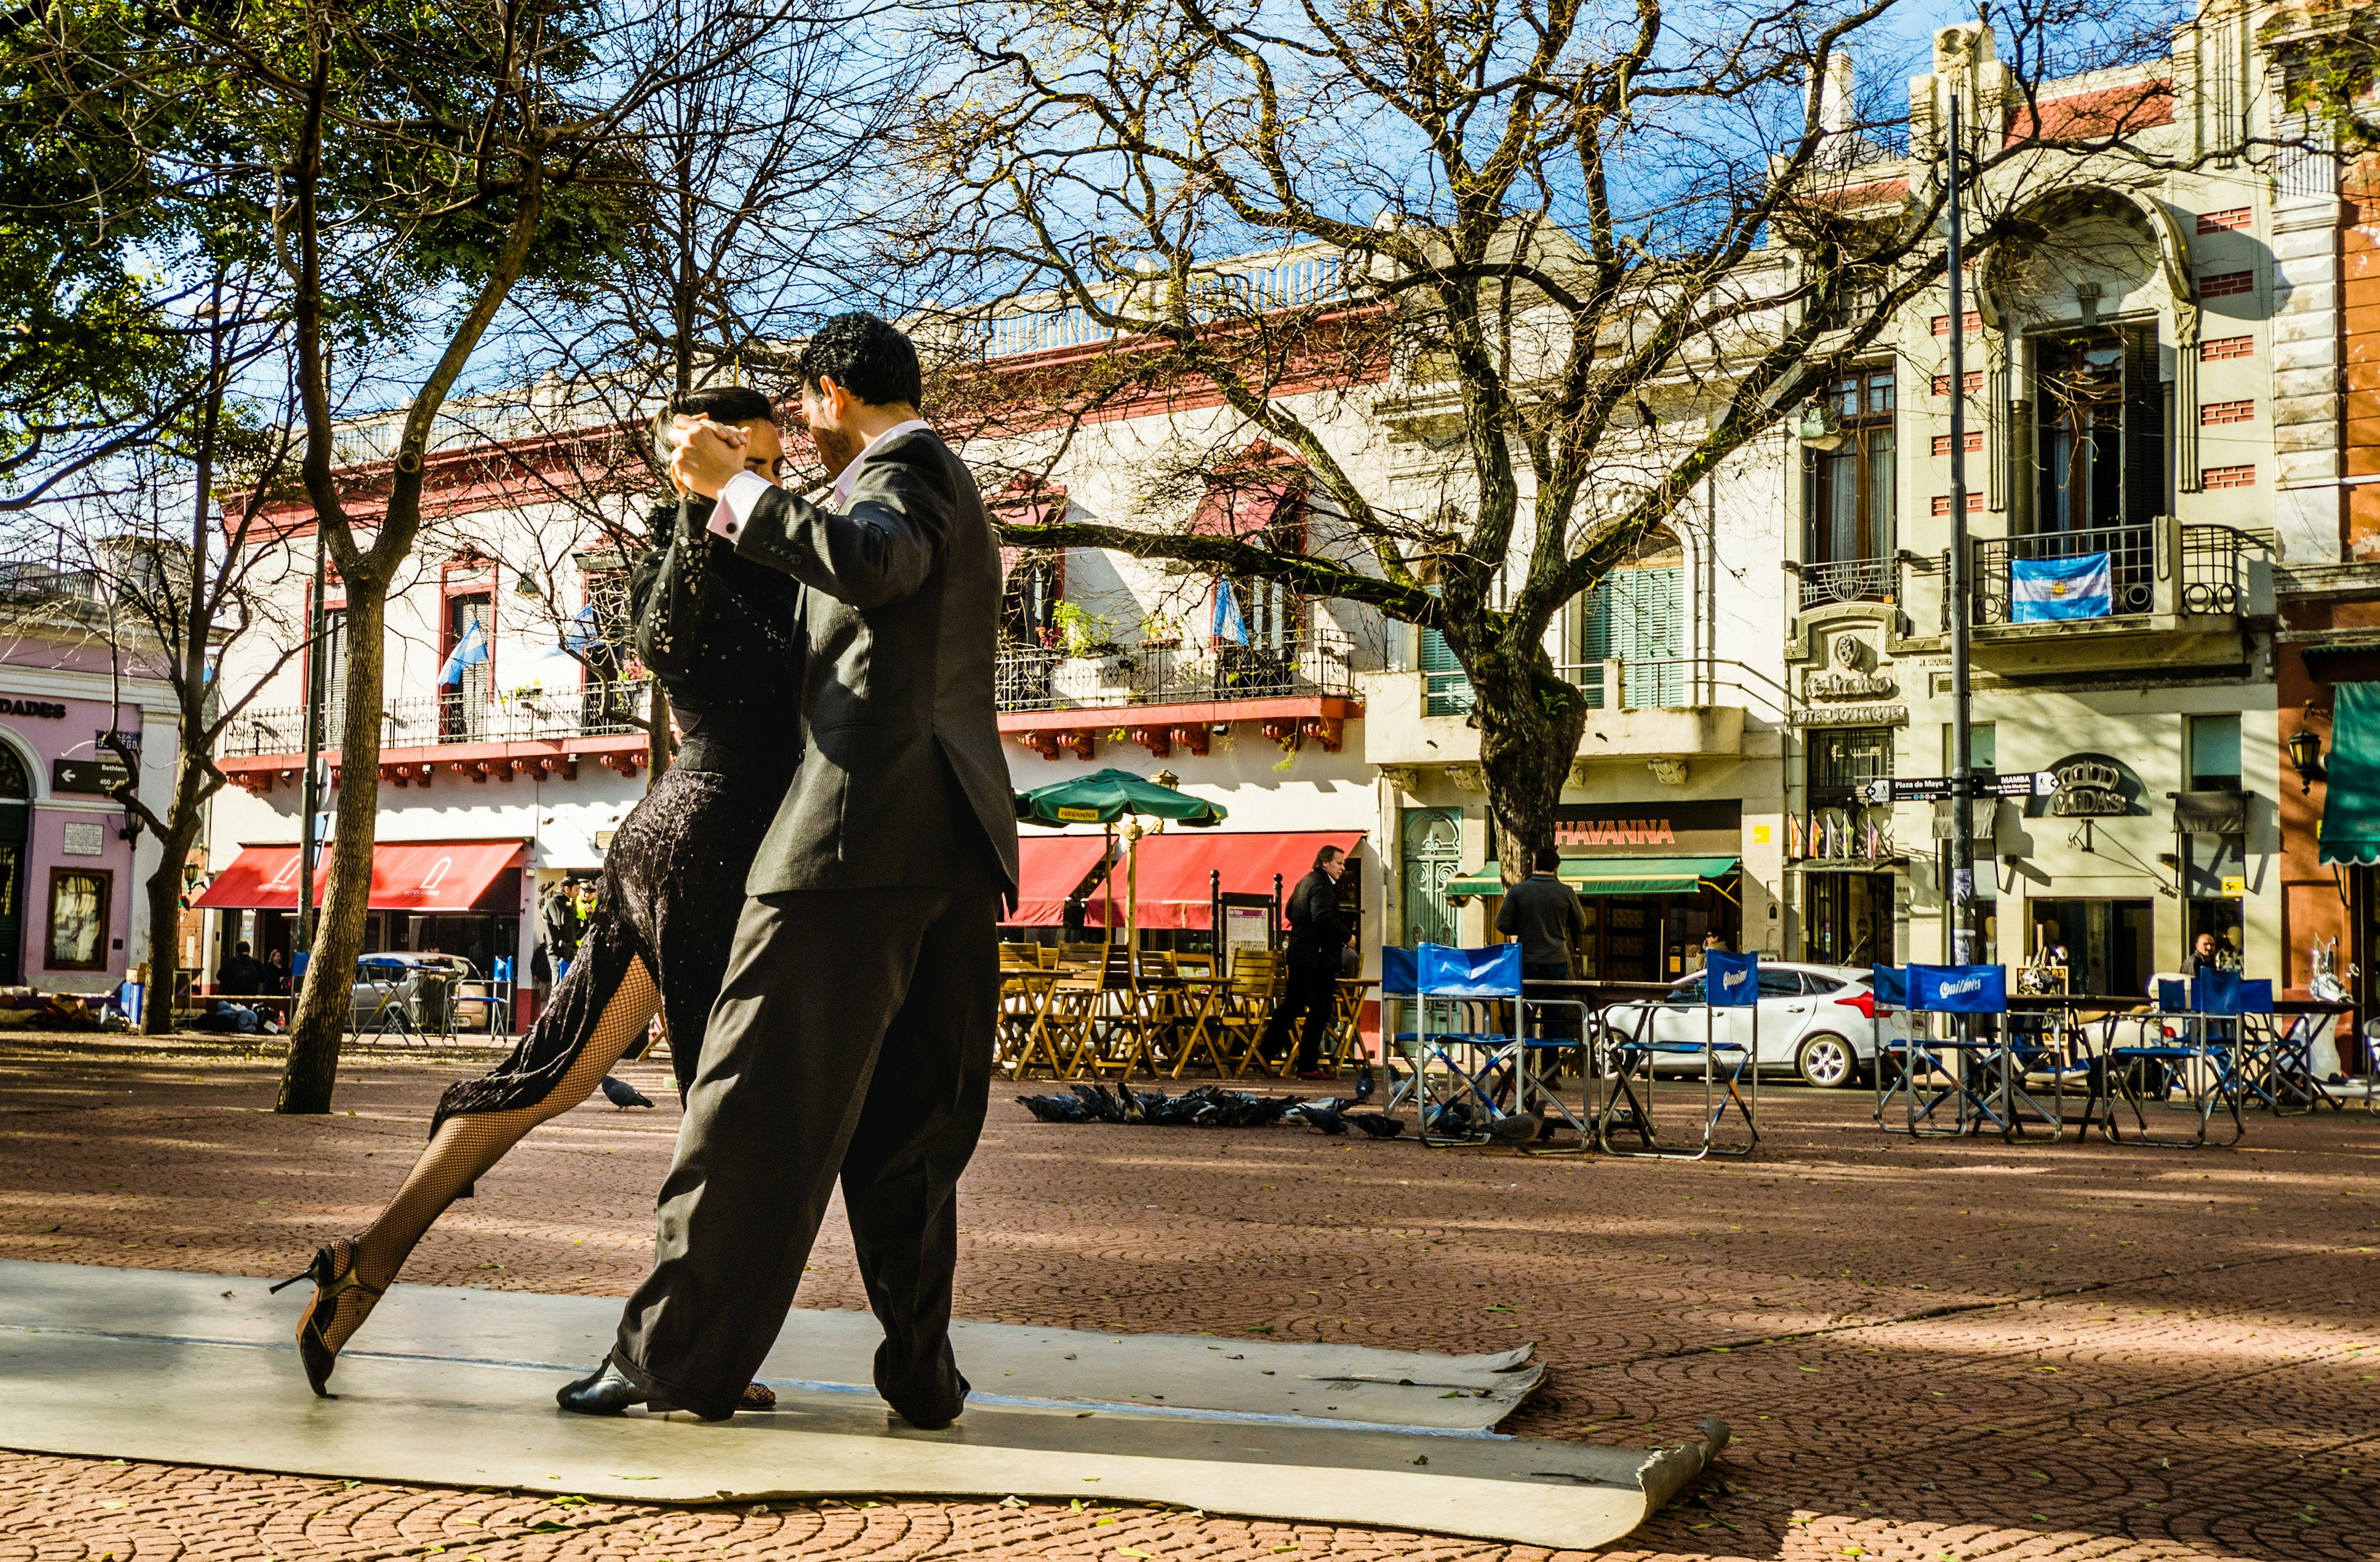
[[853, 1037], [1316, 935]]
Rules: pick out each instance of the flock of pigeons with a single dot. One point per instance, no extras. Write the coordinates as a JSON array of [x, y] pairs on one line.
[[1208, 1107]]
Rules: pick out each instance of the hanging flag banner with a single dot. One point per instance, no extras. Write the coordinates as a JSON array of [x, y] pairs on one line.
[[1228, 622], [469, 652], [2042, 591]]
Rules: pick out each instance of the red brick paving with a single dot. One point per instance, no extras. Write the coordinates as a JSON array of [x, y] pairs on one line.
[[1936, 1353]]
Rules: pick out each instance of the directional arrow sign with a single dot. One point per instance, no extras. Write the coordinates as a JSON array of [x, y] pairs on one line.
[[1932, 788], [2023, 784]]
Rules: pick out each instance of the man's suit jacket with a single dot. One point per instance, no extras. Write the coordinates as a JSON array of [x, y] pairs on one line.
[[1317, 932], [901, 776]]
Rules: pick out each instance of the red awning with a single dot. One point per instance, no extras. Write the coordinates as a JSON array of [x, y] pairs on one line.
[[1174, 869], [411, 876], [1050, 869]]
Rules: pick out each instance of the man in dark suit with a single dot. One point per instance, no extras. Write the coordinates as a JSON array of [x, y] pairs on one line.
[[1317, 935], [854, 1034]]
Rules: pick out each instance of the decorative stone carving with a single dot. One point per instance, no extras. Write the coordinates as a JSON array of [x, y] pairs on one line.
[[1469, 778], [1667, 771]]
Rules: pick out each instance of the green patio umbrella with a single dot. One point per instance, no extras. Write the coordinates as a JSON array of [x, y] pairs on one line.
[[1105, 796], [1102, 797]]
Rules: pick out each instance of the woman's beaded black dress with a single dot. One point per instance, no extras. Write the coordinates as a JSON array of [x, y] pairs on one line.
[[673, 882]]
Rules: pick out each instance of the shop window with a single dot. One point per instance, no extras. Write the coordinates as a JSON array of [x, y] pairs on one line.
[[1636, 616], [1843, 823], [1848, 495], [79, 918], [2101, 438], [2214, 753]]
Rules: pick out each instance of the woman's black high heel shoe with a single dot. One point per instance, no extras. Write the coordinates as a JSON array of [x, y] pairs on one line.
[[313, 1350]]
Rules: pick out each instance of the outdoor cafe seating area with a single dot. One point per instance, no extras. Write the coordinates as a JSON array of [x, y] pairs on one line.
[[1476, 1055]]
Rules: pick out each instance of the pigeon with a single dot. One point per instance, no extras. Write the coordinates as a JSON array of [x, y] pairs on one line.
[[1055, 1108], [1378, 1124], [1363, 1087], [1100, 1103], [1517, 1129], [1450, 1121], [1322, 1117], [622, 1095]]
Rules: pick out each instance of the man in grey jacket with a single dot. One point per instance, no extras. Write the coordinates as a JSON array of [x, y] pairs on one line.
[[854, 1034]]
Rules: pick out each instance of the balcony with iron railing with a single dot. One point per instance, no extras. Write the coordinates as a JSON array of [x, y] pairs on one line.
[[2176, 593], [594, 710], [1161, 694], [1233, 289], [1844, 580], [536, 732], [1319, 662]]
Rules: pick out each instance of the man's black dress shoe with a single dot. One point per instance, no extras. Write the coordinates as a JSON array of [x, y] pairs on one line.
[[605, 1392]]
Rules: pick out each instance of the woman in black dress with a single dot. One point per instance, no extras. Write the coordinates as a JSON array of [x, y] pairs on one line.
[[667, 903]]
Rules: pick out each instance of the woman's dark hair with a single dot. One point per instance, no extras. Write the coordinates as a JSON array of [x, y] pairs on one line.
[[720, 403], [1327, 853], [866, 356]]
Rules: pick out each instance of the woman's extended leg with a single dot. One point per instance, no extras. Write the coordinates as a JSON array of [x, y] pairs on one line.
[[465, 1147]]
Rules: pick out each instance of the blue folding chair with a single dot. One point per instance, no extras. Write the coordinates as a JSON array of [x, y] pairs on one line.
[[1464, 996], [1955, 1067], [1399, 990], [2187, 1062], [1731, 1074]]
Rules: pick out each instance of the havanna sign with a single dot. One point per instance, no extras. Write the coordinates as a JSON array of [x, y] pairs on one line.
[[1699, 829]]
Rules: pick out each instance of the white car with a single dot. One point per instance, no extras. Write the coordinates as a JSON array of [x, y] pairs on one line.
[[1818, 1021]]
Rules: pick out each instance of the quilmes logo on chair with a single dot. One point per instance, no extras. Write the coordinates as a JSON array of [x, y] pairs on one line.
[[1960, 987]]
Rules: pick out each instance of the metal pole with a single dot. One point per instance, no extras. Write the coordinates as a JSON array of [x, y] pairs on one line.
[[1963, 942], [309, 794]]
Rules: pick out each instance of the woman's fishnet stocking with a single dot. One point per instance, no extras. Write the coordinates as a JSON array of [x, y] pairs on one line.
[[467, 1146]]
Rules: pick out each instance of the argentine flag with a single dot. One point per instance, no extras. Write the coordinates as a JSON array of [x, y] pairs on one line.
[[469, 652], [1228, 624], [2042, 590]]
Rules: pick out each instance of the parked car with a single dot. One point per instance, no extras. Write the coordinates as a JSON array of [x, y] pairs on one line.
[[395, 979], [1817, 1021]]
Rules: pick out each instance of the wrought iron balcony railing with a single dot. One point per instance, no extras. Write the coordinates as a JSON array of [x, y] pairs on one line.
[[1319, 662], [595, 710], [2211, 566], [1846, 579]]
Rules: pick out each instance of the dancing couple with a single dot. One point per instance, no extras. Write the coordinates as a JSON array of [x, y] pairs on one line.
[[811, 906]]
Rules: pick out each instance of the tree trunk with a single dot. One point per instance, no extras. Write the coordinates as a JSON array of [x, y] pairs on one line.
[[1530, 723], [165, 893], [319, 1024]]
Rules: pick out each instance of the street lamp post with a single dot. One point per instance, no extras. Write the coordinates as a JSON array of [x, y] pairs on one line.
[[1963, 939]]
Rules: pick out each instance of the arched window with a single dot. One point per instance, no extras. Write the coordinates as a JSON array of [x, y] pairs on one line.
[[13, 780]]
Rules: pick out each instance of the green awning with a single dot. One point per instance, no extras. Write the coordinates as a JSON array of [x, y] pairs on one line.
[[1610, 875], [2351, 809]]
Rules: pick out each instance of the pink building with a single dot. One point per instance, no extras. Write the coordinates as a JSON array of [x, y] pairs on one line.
[[71, 867]]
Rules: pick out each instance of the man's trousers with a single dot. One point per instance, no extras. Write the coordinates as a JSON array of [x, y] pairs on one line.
[[853, 1037], [1311, 995]]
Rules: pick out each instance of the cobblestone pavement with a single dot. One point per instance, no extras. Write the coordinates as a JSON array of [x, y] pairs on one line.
[[1929, 1353]]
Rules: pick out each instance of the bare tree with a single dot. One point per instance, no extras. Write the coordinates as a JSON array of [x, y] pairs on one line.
[[423, 163], [742, 244], [1590, 253]]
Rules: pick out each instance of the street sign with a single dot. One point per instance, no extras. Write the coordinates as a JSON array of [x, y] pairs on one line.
[[2023, 784], [1933, 789]]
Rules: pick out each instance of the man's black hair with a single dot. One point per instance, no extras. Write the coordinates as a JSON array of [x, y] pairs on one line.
[[1547, 860], [1322, 858], [866, 356], [720, 403], [724, 404]]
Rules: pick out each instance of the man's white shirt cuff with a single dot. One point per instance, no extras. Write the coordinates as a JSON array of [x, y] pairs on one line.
[[735, 502]]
